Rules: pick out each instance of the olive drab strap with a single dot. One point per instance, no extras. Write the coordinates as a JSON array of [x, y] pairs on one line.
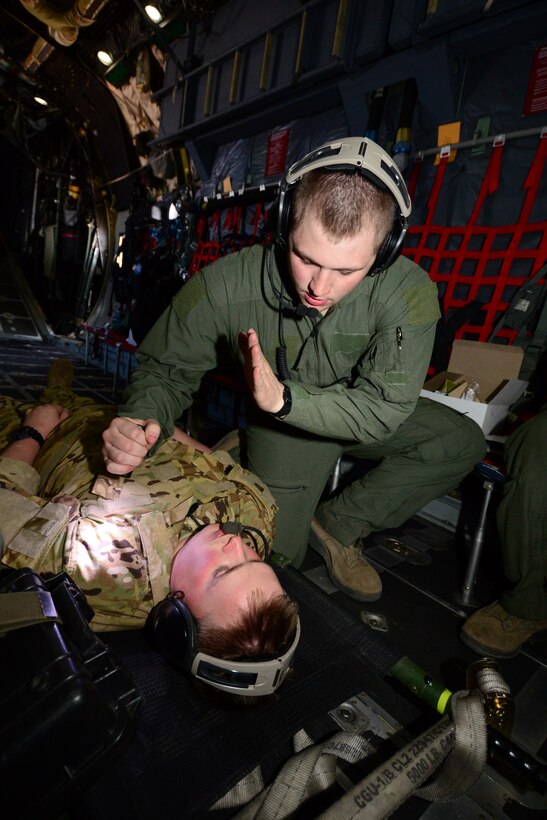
[[527, 307], [19, 609]]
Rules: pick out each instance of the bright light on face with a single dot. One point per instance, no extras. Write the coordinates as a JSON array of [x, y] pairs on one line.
[[104, 57], [219, 574], [153, 13], [41, 100]]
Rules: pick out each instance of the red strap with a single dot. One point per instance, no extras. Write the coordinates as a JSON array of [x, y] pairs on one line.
[[533, 179], [436, 189], [489, 182], [414, 176]]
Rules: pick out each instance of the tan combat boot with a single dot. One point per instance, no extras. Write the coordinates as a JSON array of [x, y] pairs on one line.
[[60, 374], [347, 567], [493, 631]]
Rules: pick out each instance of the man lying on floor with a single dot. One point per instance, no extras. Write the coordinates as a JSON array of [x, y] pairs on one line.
[[158, 538]]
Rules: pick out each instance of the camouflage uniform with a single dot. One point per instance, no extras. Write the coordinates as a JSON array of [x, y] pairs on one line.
[[115, 536]]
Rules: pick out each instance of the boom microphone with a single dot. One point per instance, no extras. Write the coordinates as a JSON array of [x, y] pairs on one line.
[[299, 310]]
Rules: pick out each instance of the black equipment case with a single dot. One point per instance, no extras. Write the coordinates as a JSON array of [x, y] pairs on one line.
[[67, 706]]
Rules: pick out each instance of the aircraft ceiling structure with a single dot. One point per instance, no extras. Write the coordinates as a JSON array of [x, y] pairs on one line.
[[48, 50], [68, 155]]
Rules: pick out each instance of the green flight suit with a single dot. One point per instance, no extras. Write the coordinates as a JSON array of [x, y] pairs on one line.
[[522, 520], [356, 374]]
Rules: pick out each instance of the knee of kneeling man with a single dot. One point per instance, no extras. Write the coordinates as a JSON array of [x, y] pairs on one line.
[[470, 443], [464, 443]]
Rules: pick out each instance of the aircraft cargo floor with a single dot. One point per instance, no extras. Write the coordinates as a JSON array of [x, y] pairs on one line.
[[419, 613]]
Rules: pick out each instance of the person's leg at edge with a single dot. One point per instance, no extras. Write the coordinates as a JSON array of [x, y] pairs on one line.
[[521, 612], [430, 453], [57, 391], [76, 440]]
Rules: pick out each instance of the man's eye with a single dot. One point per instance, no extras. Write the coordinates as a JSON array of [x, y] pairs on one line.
[[220, 571]]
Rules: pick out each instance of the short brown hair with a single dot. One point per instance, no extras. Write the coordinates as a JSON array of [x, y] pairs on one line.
[[344, 203], [263, 632]]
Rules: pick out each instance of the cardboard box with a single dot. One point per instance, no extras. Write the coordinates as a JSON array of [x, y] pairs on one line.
[[496, 369]]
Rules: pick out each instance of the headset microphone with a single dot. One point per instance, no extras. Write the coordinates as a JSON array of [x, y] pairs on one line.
[[231, 527], [236, 528], [299, 310], [302, 310]]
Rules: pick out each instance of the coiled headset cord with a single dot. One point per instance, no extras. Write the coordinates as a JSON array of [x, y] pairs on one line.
[[299, 310]]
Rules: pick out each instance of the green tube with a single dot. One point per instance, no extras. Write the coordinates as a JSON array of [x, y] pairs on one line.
[[422, 684]]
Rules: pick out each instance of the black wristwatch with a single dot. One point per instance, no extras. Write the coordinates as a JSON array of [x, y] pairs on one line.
[[287, 404], [26, 432]]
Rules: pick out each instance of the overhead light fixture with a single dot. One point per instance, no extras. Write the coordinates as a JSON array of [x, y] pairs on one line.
[[40, 100], [104, 57], [154, 13]]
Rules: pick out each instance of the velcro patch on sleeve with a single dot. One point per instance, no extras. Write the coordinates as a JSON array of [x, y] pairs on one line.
[[422, 303]]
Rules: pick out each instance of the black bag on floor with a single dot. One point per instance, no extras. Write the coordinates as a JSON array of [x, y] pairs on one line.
[[67, 705]]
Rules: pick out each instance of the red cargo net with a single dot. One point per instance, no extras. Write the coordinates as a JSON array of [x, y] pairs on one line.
[[480, 263], [226, 231]]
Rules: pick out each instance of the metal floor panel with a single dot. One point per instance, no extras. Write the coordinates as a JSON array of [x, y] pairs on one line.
[[24, 366]]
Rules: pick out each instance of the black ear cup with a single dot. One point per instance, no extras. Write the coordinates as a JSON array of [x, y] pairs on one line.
[[281, 210], [391, 246], [173, 631]]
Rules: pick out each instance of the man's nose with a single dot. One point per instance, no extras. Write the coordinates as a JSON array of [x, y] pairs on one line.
[[235, 547], [320, 282]]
